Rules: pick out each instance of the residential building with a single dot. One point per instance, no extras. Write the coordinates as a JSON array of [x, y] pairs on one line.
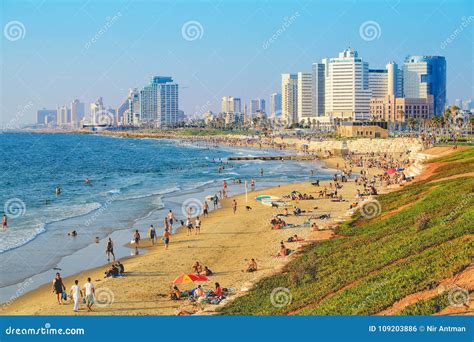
[[231, 104], [159, 102], [378, 82], [289, 98], [257, 105], [63, 117], [423, 76]]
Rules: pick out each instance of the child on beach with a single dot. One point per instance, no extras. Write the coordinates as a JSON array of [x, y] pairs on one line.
[[197, 268], [4, 222], [197, 224], [166, 238], [234, 206], [76, 294], [205, 209], [189, 225]]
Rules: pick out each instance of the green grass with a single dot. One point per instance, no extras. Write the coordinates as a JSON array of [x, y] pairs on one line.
[[379, 261]]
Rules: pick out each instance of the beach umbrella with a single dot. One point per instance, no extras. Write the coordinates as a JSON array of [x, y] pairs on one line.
[[390, 171], [400, 169], [189, 278]]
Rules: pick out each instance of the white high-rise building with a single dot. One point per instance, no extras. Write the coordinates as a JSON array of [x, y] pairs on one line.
[[62, 116], [159, 102], [77, 113], [289, 98], [99, 115], [275, 105], [318, 92], [230, 104], [347, 87], [305, 96]]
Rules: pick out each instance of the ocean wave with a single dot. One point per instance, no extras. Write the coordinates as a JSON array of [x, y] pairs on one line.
[[17, 237], [149, 194]]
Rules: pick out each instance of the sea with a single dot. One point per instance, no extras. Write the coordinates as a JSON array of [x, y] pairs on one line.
[[133, 183]]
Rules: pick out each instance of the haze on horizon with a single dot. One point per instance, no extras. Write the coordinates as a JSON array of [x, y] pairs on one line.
[[84, 49]]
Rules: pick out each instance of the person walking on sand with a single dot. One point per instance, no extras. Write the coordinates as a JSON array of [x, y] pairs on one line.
[[216, 201], [110, 249], [89, 292], [197, 225], [205, 209], [166, 238], [4, 222], [152, 234], [136, 238], [58, 288], [171, 218], [234, 206], [76, 294]]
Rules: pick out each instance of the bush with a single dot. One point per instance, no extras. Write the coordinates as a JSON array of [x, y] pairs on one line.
[[422, 221]]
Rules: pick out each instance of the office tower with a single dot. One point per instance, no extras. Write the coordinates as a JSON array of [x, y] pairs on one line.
[[394, 80], [289, 98], [304, 96], [378, 82], [347, 86], [62, 116], [159, 102], [46, 116], [318, 79], [230, 104], [257, 105], [423, 76], [77, 112], [275, 105]]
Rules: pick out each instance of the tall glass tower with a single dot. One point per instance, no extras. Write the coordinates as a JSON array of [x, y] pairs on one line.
[[423, 76]]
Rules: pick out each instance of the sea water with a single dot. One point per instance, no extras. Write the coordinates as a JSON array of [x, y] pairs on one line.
[[133, 183]]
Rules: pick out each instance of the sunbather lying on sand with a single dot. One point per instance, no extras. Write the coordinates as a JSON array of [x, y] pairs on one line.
[[295, 238]]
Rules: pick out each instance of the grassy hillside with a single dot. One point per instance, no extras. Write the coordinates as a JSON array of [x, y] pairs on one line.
[[422, 236]]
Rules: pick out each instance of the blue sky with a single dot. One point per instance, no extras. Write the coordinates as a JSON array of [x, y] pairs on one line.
[[57, 59]]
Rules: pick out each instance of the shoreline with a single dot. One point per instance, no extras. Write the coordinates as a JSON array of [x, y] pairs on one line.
[[131, 262]]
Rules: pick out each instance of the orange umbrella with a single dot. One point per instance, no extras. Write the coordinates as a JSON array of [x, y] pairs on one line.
[[189, 278]]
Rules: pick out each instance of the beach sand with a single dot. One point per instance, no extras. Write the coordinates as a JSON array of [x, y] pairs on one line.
[[226, 244]]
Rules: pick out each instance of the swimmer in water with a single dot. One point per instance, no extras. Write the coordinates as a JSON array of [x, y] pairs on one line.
[[58, 190], [88, 181]]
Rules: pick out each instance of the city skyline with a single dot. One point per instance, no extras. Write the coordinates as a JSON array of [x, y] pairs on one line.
[[97, 66]]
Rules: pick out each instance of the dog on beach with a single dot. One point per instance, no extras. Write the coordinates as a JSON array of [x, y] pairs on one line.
[[248, 208]]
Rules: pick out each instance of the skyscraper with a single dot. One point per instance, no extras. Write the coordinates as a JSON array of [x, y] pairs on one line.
[[62, 116], [318, 79], [257, 105], [159, 102], [378, 82], [275, 105], [394, 80], [289, 98], [423, 76], [230, 104], [46, 116], [347, 94], [133, 112], [305, 96], [77, 112], [98, 114]]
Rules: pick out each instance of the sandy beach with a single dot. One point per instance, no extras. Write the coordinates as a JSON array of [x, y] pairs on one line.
[[226, 244]]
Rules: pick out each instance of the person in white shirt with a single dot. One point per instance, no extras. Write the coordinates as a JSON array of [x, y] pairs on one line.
[[89, 291], [76, 294]]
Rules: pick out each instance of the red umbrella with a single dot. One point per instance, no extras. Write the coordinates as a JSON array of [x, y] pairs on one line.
[[390, 171], [189, 278]]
